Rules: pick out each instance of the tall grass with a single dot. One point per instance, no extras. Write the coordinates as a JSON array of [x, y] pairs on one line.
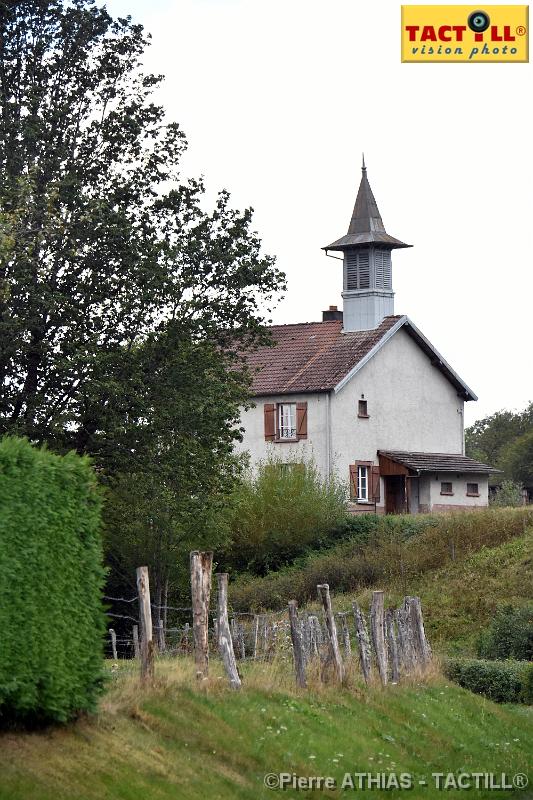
[[395, 547]]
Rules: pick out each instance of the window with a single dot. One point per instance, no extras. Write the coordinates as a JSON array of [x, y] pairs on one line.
[[362, 482], [382, 263], [357, 270], [287, 420], [362, 410], [472, 489], [446, 487]]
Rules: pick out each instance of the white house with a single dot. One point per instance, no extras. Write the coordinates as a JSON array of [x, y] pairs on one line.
[[364, 393]]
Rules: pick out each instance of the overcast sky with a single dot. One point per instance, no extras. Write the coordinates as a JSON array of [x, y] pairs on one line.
[[278, 99]]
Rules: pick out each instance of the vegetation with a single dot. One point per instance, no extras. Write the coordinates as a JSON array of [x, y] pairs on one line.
[[510, 634], [504, 440], [51, 614], [507, 495], [281, 512], [398, 549], [501, 681], [123, 299], [177, 740]]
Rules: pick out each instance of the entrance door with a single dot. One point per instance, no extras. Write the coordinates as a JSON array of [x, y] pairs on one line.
[[395, 501]]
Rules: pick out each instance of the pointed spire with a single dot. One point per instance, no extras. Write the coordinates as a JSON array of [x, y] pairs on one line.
[[365, 217], [366, 225]]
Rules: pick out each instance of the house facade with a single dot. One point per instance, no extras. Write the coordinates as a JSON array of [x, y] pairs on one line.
[[363, 392]]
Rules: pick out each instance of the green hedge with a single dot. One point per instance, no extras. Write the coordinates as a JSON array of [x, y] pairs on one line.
[[51, 578], [501, 681], [510, 635]]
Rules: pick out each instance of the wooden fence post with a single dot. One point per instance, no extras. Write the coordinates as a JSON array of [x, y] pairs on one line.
[[225, 643], [363, 641], [186, 632], [421, 644], [113, 643], [136, 648], [145, 615], [201, 568], [256, 635], [161, 637], [323, 593], [392, 645], [341, 616], [297, 644], [405, 647], [377, 630]]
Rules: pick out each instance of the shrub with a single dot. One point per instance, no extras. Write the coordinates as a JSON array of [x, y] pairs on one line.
[[507, 495], [51, 617], [510, 635], [501, 681], [390, 547], [280, 512]]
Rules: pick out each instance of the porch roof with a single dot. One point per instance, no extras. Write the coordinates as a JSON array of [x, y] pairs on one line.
[[435, 462]]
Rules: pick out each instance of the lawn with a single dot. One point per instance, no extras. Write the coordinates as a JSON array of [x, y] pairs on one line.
[[180, 740]]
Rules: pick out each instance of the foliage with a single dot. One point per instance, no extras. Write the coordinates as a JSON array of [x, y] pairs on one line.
[[399, 548], [124, 299], [507, 495], [501, 681], [518, 459], [179, 740], [280, 512], [51, 565], [488, 439], [510, 635], [104, 247]]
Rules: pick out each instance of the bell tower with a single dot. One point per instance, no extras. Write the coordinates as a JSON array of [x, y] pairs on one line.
[[367, 264]]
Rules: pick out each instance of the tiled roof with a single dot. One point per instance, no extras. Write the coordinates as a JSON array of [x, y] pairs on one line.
[[435, 462], [311, 356]]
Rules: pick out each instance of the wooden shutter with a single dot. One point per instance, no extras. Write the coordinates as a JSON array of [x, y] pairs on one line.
[[375, 484], [353, 481], [270, 421], [301, 420]]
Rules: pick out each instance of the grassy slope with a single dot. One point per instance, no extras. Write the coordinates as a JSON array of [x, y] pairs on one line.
[[178, 741], [459, 599]]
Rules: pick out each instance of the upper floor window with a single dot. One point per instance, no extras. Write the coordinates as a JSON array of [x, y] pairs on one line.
[[446, 487], [287, 420], [362, 408]]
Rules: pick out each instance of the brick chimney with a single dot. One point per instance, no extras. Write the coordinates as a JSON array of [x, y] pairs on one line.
[[332, 313]]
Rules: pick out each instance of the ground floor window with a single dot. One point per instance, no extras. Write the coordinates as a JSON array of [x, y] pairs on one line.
[[472, 489], [446, 487], [362, 482]]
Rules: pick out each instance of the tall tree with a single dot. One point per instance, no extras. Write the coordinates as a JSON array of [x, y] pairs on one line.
[[488, 439], [105, 251]]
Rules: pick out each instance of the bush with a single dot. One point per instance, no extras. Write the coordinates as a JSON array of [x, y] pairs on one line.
[[281, 512], [51, 617], [501, 681], [507, 495], [510, 635]]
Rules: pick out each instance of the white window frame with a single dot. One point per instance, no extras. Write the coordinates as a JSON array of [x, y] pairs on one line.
[[362, 483], [287, 421]]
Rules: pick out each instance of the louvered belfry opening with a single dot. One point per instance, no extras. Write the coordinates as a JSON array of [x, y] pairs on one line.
[[367, 264], [357, 270]]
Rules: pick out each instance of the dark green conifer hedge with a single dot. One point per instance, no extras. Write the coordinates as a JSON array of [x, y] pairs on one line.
[[51, 578]]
